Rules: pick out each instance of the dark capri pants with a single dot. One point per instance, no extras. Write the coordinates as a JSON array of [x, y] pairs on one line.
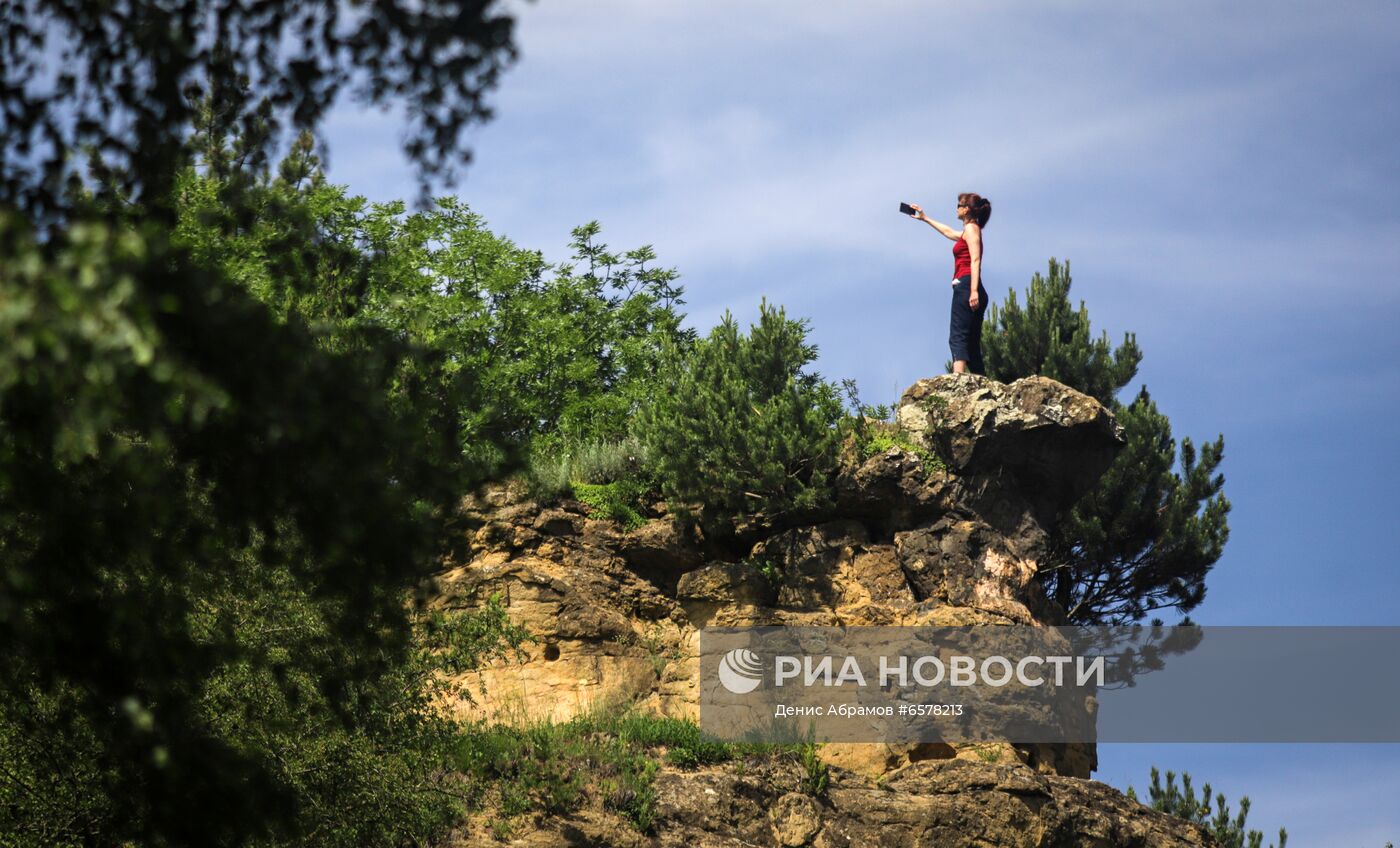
[[965, 328]]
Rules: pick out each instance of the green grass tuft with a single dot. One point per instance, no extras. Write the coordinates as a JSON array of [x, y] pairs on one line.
[[616, 500], [552, 768], [879, 441]]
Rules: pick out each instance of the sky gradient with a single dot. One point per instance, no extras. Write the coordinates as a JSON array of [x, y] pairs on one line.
[[1223, 179]]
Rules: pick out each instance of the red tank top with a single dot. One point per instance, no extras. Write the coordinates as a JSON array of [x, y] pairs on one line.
[[962, 259]]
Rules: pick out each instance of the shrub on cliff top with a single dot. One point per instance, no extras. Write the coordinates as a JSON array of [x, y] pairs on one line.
[[741, 428]]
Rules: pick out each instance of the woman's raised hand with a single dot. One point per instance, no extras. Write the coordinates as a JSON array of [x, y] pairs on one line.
[[918, 211]]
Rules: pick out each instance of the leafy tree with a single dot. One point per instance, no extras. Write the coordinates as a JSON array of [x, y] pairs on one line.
[[1184, 804], [741, 428], [1145, 537], [533, 357]]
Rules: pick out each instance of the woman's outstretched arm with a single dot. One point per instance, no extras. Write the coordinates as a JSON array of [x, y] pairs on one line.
[[952, 234]]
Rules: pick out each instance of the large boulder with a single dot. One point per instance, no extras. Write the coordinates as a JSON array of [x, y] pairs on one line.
[[1038, 439]]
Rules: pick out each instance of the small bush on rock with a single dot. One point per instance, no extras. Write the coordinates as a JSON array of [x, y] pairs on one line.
[[616, 501]]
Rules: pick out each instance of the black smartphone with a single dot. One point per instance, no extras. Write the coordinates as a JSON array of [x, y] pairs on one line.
[[906, 209]]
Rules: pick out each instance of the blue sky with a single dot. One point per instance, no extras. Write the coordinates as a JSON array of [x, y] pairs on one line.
[[1223, 178]]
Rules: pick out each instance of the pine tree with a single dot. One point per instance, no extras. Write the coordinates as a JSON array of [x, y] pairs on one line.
[[1183, 803], [743, 429], [1145, 537]]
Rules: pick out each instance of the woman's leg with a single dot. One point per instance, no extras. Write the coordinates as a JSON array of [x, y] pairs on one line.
[[960, 325], [974, 341]]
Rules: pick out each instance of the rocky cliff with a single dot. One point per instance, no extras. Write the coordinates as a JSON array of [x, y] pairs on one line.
[[958, 540]]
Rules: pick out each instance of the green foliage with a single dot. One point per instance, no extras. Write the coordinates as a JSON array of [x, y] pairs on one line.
[[1156, 522], [874, 432], [550, 474], [376, 771], [684, 744], [286, 397], [1049, 338], [616, 501], [607, 462], [553, 768], [770, 570], [230, 427], [459, 642], [633, 793], [526, 767], [816, 775], [883, 439], [740, 427], [1144, 538], [531, 359], [549, 477], [51, 781], [159, 431], [237, 406], [1183, 803], [213, 513], [340, 754]]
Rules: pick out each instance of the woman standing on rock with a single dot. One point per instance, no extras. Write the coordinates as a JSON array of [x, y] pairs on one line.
[[969, 297]]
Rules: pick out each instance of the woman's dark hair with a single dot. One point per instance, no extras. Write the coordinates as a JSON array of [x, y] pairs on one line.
[[979, 208]]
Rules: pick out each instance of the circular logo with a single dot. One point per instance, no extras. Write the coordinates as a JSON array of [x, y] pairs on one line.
[[740, 671]]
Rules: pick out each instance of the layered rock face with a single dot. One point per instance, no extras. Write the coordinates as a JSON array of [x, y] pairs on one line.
[[617, 614], [935, 804]]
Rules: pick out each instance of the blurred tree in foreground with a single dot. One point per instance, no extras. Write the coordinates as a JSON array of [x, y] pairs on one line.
[[1145, 537], [168, 452], [124, 80], [213, 512]]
